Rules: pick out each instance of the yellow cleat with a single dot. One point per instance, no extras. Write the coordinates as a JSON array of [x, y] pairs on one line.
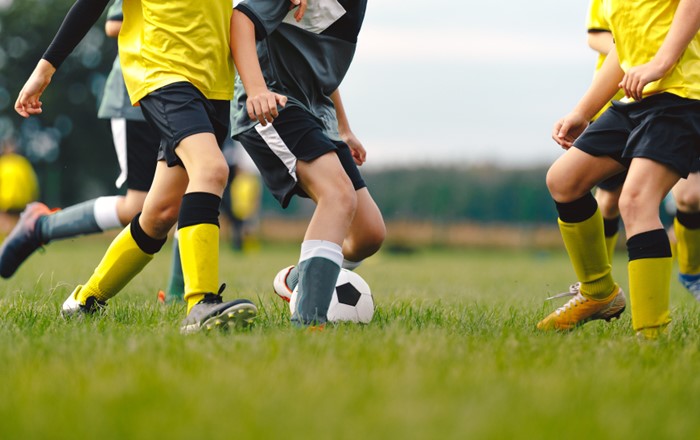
[[579, 310]]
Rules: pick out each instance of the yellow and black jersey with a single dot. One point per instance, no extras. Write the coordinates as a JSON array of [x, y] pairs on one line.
[[160, 43]]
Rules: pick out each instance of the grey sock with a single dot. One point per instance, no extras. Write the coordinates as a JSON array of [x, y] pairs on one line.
[[317, 278], [293, 278], [70, 222]]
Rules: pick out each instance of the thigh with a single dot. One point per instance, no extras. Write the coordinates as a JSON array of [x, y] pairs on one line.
[[278, 148], [178, 111]]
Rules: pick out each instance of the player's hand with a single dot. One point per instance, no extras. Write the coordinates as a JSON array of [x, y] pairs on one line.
[[639, 76], [568, 129], [263, 106], [28, 102], [359, 154], [299, 14]]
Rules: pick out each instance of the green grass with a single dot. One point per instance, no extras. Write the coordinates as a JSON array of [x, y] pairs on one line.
[[452, 353]]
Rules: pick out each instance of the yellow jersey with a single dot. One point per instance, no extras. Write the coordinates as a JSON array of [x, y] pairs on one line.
[[639, 27], [162, 42]]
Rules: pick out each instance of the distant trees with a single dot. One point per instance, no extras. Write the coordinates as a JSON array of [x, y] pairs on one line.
[[454, 194]]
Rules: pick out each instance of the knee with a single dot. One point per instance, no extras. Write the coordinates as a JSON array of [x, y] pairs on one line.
[[212, 175], [342, 196], [629, 205], [563, 188], [688, 201], [157, 221], [347, 199]]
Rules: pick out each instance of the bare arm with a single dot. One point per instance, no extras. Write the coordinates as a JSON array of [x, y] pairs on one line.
[[356, 148], [600, 41], [685, 25], [601, 91], [261, 103], [76, 25]]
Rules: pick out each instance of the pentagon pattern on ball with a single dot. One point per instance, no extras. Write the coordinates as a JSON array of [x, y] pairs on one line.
[[348, 294]]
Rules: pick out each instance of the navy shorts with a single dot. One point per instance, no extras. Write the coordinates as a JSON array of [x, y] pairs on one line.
[[294, 135], [664, 128], [179, 110]]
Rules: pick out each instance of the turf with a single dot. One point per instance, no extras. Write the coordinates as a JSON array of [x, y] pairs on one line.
[[452, 353]]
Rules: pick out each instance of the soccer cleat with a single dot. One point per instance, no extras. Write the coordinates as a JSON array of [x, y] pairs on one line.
[[211, 312], [579, 309], [72, 307], [22, 241], [280, 286], [691, 283]]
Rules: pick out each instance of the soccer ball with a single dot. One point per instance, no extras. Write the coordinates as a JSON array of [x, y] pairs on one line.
[[351, 302]]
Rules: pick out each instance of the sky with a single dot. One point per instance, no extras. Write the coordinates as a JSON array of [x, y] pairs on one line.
[[466, 82]]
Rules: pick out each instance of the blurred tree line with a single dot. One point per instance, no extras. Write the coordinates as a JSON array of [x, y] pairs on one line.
[[453, 194], [74, 157]]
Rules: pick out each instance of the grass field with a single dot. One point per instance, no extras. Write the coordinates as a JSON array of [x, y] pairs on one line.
[[452, 353]]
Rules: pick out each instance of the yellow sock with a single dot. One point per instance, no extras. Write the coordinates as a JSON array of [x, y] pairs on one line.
[[199, 253], [610, 243], [585, 243], [650, 284], [687, 248], [122, 262]]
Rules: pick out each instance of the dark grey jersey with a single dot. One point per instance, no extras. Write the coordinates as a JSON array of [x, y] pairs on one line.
[[115, 101], [304, 61]]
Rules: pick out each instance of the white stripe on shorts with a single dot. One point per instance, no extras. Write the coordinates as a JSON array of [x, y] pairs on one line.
[[119, 138], [277, 145]]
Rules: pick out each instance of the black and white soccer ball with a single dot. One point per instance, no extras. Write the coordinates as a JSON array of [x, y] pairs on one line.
[[351, 302]]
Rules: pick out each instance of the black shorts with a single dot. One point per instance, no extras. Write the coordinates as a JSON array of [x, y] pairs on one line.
[[664, 128], [136, 144], [180, 110], [294, 135], [614, 182]]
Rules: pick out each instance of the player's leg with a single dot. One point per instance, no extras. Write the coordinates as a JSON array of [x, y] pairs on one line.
[[687, 231], [570, 180], [325, 181], [649, 250], [136, 144], [365, 235], [198, 237], [198, 225], [607, 196], [135, 246]]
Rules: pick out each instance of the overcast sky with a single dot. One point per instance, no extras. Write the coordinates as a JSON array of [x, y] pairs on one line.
[[466, 81]]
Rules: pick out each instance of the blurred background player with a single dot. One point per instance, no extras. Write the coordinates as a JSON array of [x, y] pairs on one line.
[[298, 149], [686, 227], [136, 145], [18, 185], [241, 202]]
